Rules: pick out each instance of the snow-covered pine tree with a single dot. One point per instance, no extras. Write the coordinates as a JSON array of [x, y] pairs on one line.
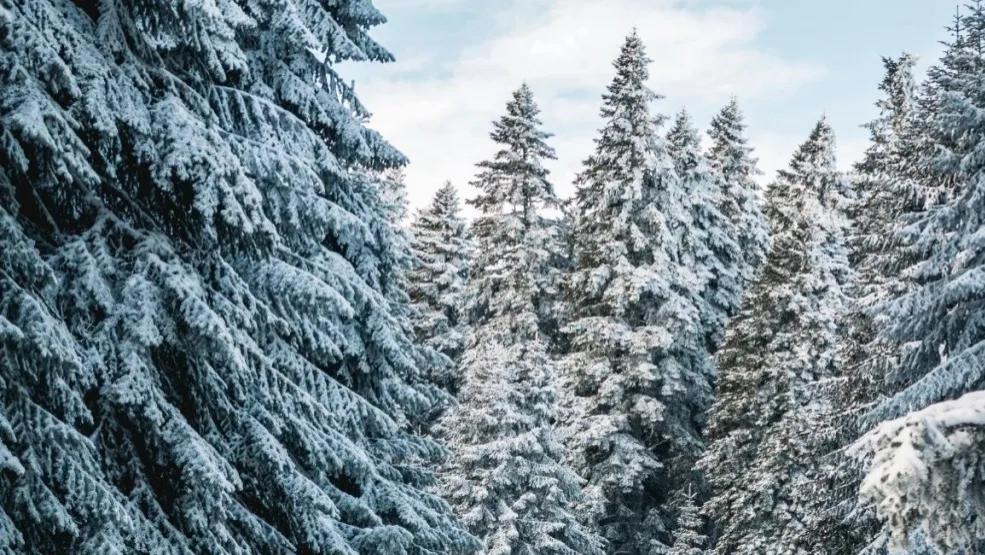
[[926, 471], [732, 162], [886, 199], [689, 537], [636, 373], [779, 353], [507, 477], [708, 251], [437, 283], [941, 240], [200, 329], [398, 264]]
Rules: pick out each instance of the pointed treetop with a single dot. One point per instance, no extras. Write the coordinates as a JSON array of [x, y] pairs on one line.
[[446, 195], [683, 126], [632, 73], [817, 152], [683, 133], [515, 176], [812, 177], [688, 537], [729, 153], [899, 74], [684, 143]]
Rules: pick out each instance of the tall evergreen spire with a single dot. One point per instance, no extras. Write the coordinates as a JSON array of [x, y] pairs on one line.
[[925, 454], [441, 249], [731, 160], [634, 376], [779, 352], [707, 247], [507, 478], [886, 200]]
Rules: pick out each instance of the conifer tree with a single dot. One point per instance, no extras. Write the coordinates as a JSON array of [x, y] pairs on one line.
[[924, 462], [507, 477], [689, 538], [201, 315], [731, 160], [940, 240], [708, 252], [887, 199], [775, 366], [636, 372], [437, 283]]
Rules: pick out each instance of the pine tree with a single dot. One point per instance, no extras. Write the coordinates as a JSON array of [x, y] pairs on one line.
[[707, 249], [507, 478], [775, 367], [634, 376], [886, 198], [925, 467], [393, 232], [688, 536], [940, 240], [202, 327], [437, 283], [731, 160]]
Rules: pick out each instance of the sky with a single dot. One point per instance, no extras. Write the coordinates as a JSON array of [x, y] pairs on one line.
[[788, 62]]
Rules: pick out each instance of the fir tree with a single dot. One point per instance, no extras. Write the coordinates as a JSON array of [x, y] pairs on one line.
[[707, 249], [201, 315], [731, 160], [925, 470], [775, 366], [940, 240], [886, 199], [507, 477], [637, 373], [689, 538], [437, 283]]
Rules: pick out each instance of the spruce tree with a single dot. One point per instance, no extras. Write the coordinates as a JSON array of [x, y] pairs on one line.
[[636, 372], [775, 367], [708, 251], [201, 328], [887, 198], [924, 462], [437, 283], [731, 160], [507, 477], [940, 240], [689, 538]]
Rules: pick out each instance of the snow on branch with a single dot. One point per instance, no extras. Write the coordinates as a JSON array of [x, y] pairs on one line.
[[924, 474]]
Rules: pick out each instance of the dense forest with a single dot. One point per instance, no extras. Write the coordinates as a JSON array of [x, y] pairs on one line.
[[222, 331]]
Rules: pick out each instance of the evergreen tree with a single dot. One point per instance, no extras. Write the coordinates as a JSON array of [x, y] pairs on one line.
[[707, 249], [925, 470], [636, 372], [886, 198], [731, 160], [201, 315], [688, 536], [507, 477], [940, 241], [393, 232], [775, 366], [437, 283]]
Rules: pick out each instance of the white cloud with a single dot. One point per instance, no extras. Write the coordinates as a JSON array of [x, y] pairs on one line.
[[564, 49]]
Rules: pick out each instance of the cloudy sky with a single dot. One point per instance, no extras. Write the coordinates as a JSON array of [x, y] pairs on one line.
[[787, 61]]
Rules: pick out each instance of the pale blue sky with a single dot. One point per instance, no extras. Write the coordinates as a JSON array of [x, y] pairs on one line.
[[788, 62]]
